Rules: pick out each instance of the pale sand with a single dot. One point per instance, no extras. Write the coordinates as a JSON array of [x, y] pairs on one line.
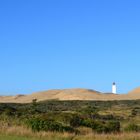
[[70, 94]]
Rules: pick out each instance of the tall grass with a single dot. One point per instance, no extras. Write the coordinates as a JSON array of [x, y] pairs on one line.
[[21, 132], [123, 136], [6, 130]]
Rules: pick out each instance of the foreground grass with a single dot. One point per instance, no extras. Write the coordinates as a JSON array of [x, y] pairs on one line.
[[12, 126], [10, 137], [23, 133], [132, 136], [124, 136], [49, 137], [5, 137]]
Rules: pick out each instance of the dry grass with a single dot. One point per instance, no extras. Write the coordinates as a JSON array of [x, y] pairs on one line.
[[86, 134], [123, 136], [26, 132]]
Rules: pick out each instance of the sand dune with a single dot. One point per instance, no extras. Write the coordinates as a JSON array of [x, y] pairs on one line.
[[136, 91], [70, 94], [135, 94]]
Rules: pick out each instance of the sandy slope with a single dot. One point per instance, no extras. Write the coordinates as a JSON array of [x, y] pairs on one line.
[[70, 94], [135, 93]]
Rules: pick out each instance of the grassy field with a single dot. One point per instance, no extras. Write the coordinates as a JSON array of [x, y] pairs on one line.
[[125, 136], [71, 120], [4, 137]]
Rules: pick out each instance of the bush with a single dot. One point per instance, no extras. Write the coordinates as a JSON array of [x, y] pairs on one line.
[[9, 111], [40, 124], [132, 128], [76, 121], [134, 112], [108, 117], [97, 126], [88, 123], [101, 126], [113, 126]]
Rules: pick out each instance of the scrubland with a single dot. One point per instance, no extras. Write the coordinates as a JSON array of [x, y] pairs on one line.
[[70, 120]]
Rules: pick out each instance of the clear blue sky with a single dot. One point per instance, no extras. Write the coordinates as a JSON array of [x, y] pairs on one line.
[[54, 44]]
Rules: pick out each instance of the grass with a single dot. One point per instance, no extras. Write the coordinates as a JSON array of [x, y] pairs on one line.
[[23, 133], [5, 137], [10, 137], [12, 126], [123, 136]]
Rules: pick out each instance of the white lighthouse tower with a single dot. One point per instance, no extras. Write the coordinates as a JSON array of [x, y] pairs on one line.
[[114, 88]]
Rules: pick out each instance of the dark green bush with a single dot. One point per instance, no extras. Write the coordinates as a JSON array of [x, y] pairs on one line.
[[101, 126], [97, 126], [134, 112], [40, 124], [76, 121], [87, 122], [9, 111], [132, 128], [113, 126]]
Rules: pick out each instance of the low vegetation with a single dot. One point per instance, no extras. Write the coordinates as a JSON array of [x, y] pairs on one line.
[[70, 120]]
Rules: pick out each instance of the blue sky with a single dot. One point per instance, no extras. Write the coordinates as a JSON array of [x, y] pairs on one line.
[[56, 44]]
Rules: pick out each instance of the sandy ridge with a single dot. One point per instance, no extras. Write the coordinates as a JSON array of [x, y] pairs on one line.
[[70, 94]]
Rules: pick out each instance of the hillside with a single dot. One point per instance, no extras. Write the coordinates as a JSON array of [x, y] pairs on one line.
[[70, 94], [136, 91]]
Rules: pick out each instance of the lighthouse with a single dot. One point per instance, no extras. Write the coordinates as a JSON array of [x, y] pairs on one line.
[[114, 88]]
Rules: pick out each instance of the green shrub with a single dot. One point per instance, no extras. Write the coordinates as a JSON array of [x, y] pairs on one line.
[[101, 126], [76, 121], [87, 122], [9, 111], [96, 126], [134, 112], [113, 126], [40, 124], [132, 128]]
